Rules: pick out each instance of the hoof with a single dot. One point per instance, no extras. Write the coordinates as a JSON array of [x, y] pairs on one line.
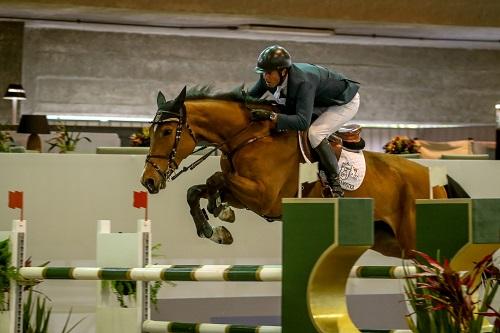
[[226, 214], [221, 236]]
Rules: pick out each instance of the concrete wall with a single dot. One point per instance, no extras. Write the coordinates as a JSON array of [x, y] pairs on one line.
[[113, 73], [11, 60]]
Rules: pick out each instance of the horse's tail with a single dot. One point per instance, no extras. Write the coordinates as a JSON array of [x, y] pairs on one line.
[[454, 189]]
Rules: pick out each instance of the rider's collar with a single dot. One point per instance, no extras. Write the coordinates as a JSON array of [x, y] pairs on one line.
[[284, 84]]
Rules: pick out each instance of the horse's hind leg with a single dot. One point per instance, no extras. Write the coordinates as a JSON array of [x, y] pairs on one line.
[[215, 189], [218, 234], [385, 241]]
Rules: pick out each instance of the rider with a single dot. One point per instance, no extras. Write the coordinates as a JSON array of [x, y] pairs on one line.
[[306, 89]]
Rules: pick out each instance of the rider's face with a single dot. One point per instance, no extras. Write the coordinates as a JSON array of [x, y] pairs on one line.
[[272, 78]]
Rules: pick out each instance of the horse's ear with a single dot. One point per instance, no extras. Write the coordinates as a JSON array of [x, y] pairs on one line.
[[160, 100], [179, 101], [182, 96]]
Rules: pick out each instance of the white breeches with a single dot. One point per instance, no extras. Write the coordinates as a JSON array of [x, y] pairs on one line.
[[331, 120]]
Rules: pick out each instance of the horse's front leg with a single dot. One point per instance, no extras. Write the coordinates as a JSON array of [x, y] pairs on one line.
[[216, 206], [218, 234]]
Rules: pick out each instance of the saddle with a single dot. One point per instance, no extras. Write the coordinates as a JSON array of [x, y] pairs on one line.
[[347, 137]]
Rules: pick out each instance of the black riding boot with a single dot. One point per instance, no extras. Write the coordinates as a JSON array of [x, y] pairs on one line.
[[330, 166]]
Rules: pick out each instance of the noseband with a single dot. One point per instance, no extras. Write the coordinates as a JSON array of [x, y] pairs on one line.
[[172, 165]]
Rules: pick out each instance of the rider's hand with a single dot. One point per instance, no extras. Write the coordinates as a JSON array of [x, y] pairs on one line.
[[263, 115]]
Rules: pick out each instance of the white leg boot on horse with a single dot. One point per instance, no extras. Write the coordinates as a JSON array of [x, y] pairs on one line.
[[331, 167]]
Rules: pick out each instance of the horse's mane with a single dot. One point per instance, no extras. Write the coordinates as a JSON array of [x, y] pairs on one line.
[[235, 95]]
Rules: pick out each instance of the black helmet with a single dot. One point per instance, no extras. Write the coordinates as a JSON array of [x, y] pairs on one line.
[[272, 58]]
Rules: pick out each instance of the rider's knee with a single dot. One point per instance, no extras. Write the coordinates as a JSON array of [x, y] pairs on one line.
[[315, 137]]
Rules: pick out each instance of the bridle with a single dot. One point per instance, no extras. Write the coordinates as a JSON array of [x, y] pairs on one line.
[[172, 165]]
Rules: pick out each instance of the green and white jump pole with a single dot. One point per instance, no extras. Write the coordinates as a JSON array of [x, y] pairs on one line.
[[248, 273], [118, 251], [264, 273]]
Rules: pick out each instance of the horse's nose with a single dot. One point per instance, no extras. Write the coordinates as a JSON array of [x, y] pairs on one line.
[[149, 183]]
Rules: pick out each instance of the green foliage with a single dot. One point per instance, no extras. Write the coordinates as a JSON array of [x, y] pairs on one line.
[[5, 140], [124, 289], [7, 272], [154, 289], [66, 323], [65, 140], [36, 314], [444, 301]]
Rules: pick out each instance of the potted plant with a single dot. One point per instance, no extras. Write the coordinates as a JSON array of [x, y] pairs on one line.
[[66, 141], [444, 300]]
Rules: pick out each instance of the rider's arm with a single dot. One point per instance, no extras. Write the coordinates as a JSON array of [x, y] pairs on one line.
[[258, 89], [301, 120]]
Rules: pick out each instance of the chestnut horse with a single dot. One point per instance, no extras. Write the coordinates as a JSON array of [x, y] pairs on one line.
[[260, 167]]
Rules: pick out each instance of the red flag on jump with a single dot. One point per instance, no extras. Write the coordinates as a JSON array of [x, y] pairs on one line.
[[16, 199], [140, 199]]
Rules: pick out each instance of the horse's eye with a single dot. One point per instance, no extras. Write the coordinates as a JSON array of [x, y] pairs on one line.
[[167, 132]]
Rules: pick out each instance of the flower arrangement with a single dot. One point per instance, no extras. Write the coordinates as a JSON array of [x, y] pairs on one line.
[[65, 140], [401, 145], [444, 300], [140, 139]]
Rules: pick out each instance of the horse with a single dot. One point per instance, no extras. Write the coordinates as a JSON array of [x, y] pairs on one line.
[[259, 167]]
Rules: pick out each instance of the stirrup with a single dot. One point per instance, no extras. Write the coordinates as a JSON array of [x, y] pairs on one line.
[[338, 192], [329, 192]]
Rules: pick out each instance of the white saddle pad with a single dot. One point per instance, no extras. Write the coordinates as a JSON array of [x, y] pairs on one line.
[[352, 169]]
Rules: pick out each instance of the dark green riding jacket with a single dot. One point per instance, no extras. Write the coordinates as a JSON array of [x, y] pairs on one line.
[[310, 87]]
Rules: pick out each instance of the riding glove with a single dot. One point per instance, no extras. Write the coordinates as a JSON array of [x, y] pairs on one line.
[[263, 115]]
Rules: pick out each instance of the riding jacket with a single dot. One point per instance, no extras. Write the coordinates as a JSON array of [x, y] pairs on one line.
[[310, 89]]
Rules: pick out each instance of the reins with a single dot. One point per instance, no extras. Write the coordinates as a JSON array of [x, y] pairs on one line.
[[229, 154]]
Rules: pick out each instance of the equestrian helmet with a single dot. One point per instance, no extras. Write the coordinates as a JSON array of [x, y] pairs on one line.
[[272, 58]]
